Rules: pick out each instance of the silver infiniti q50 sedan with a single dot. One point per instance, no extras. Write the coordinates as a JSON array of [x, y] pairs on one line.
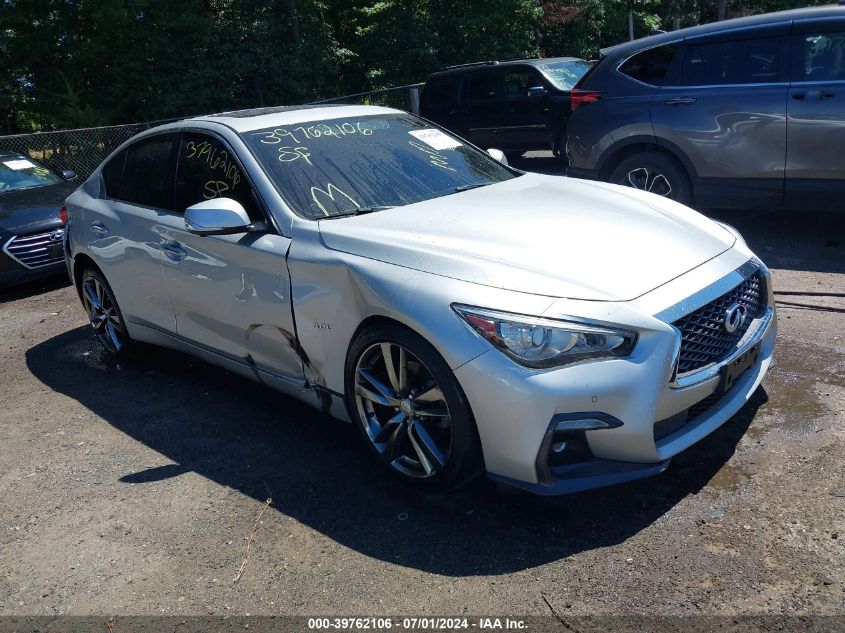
[[466, 317]]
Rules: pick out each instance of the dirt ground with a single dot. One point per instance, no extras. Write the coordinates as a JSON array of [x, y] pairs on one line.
[[131, 489]]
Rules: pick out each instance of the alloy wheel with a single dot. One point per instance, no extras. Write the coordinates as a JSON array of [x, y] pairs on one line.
[[103, 315], [649, 180], [403, 410]]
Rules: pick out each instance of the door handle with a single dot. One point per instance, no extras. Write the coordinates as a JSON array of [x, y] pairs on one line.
[[174, 251], [680, 101], [99, 229], [820, 94]]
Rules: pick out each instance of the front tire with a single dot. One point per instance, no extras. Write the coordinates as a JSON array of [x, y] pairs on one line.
[[656, 173], [104, 313], [410, 410]]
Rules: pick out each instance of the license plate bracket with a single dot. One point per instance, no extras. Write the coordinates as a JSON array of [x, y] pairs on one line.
[[731, 372]]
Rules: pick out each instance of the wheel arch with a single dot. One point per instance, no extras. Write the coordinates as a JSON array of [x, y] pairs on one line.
[[81, 262], [381, 320], [635, 145]]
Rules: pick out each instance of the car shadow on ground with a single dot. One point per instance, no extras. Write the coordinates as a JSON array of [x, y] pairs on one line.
[[34, 288], [245, 436]]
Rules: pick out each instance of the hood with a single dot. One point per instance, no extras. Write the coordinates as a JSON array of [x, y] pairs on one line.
[[546, 235], [33, 209]]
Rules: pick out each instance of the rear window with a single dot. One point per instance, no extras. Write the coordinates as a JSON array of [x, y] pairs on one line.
[[749, 61], [112, 174], [149, 172], [651, 66]]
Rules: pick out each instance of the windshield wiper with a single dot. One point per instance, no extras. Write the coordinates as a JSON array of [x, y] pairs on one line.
[[359, 211], [474, 185]]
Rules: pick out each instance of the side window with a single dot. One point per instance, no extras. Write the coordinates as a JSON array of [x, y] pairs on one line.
[[751, 61], [148, 172], [517, 82], [440, 92], [483, 86], [823, 56], [651, 66], [207, 169], [112, 174]]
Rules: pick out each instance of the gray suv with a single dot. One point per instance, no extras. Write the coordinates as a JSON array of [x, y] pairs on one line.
[[746, 113]]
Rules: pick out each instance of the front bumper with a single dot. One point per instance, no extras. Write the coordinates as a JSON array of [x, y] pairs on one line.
[[514, 413], [16, 268]]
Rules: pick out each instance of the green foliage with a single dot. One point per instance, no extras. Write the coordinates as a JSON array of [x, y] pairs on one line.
[[73, 63]]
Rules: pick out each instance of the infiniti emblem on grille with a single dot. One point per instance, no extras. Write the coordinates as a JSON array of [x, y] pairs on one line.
[[734, 317]]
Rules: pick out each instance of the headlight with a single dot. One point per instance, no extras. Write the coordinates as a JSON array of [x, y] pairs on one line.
[[537, 342]]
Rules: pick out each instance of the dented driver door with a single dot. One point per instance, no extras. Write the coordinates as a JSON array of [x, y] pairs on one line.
[[230, 293]]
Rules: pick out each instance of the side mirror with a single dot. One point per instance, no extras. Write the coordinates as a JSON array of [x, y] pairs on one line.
[[219, 216], [537, 91], [498, 155], [68, 174]]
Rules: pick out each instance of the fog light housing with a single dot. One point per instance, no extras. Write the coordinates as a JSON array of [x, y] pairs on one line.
[[569, 447], [565, 443]]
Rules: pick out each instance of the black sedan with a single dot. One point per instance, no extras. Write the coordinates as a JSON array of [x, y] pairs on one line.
[[32, 219]]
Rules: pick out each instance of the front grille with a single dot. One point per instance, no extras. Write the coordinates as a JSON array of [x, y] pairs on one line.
[[38, 249], [704, 338]]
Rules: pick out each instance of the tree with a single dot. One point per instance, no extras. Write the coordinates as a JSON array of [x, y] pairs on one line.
[[581, 27]]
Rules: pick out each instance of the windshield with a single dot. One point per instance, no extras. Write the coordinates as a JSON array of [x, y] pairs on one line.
[[19, 172], [565, 75], [342, 166]]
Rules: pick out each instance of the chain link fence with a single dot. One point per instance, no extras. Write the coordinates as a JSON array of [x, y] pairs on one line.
[[83, 149]]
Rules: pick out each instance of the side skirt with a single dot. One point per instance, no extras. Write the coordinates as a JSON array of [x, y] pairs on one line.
[[317, 396]]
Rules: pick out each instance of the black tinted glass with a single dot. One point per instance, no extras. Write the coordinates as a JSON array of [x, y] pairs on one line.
[[651, 66], [517, 82], [737, 62], [149, 171], [337, 166], [112, 174], [482, 86], [824, 56], [208, 170], [440, 92]]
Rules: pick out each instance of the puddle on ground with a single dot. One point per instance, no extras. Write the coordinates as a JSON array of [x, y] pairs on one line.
[[729, 477], [797, 385]]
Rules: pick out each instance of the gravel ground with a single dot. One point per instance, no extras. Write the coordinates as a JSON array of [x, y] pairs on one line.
[[132, 488]]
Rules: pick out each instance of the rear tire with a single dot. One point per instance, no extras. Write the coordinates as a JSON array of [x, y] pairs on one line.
[[104, 313], [410, 411], [656, 173]]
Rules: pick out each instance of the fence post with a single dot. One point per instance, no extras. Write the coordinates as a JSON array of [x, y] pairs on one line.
[[415, 100]]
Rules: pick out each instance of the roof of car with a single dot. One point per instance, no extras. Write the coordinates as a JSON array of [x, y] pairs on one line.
[[261, 118], [725, 25], [510, 62]]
